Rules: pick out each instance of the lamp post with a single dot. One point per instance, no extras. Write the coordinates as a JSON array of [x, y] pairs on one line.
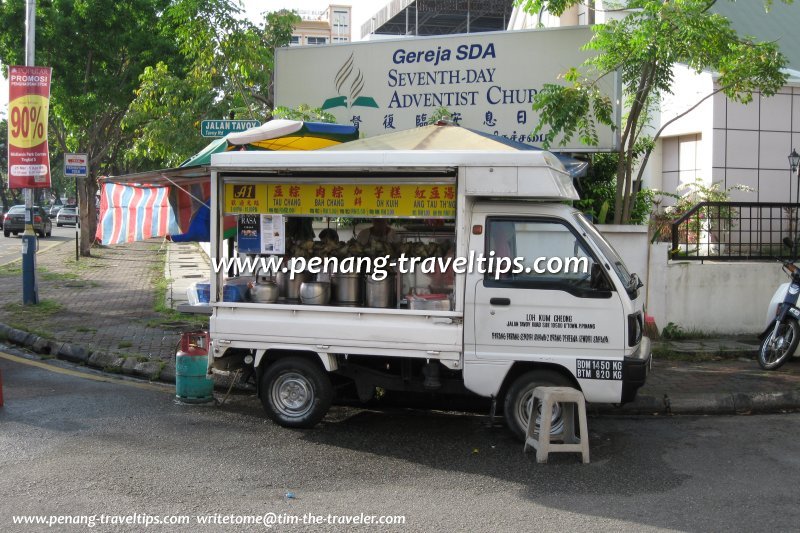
[[794, 164]]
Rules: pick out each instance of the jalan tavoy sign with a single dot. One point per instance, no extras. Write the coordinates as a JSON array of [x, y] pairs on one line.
[[487, 80]]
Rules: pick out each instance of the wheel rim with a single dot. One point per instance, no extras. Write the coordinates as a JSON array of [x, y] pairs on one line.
[[777, 346], [292, 395], [524, 407]]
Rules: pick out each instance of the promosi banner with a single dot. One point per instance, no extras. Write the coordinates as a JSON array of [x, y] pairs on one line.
[[28, 105]]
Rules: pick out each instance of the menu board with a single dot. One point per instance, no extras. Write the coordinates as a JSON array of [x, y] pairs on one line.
[[248, 237], [273, 237], [261, 234], [334, 200]]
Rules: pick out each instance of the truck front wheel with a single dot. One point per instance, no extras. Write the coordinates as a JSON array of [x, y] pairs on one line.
[[519, 398], [295, 392]]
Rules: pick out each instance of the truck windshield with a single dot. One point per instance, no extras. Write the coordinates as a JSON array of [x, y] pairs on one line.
[[608, 251]]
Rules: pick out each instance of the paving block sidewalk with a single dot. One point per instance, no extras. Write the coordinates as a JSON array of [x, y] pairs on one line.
[[100, 304], [715, 375]]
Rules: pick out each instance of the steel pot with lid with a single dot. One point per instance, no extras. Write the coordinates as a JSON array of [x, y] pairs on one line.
[[263, 291], [290, 287], [347, 289], [315, 292], [380, 293]]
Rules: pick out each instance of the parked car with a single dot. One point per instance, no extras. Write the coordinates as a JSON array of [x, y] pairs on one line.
[[14, 221], [68, 216], [54, 209]]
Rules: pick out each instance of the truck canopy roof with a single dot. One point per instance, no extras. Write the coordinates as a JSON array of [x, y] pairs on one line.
[[517, 174]]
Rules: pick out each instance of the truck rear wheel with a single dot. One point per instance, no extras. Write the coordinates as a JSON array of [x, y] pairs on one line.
[[296, 393], [519, 397]]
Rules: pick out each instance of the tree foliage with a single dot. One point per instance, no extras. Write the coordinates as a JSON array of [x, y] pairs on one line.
[[644, 45], [97, 49], [304, 112], [225, 72]]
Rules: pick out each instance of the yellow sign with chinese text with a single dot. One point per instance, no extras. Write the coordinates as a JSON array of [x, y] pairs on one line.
[[336, 200]]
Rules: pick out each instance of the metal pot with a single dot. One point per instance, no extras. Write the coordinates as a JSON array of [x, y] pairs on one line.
[[348, 289], [290, 288], [315, 292], [381, 293], [263, 291]]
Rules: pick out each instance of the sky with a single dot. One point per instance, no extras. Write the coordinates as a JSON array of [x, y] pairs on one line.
[[362, 10]]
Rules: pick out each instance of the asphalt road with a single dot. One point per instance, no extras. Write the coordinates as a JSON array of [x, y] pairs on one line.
[[11, 246], [73, 446]]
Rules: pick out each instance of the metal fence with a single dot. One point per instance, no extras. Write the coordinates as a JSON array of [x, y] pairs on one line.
[[735, 231]]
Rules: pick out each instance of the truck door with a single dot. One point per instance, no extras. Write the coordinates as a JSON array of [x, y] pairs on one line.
[[558, 307]]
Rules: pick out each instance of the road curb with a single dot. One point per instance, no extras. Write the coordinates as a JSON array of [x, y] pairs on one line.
[[739, 403], [150, 370]]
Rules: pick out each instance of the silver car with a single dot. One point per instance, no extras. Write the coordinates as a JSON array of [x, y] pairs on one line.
[[67, 216]]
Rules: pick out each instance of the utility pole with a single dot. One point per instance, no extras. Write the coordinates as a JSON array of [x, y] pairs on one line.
[[30, 291]]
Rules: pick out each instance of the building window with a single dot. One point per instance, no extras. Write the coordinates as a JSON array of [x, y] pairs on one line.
[[680, 163], [340, 23], [317, 40], [294, 41]]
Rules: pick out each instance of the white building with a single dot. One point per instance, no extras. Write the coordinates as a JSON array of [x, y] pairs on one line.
[[721, 141], [329, 26]]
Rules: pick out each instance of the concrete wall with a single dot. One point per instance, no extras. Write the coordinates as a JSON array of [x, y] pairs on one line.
[[724, 297], [630, 242]]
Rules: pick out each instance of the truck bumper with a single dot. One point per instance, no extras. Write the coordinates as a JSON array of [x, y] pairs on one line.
[[635, 369]]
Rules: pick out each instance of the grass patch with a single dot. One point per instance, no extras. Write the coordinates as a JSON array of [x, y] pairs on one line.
[[83, 329], [674, 332], [43, 309], [124, 344], [11, 269], [47, 275], [85, 263], [168, 320], [157, 374], [26, 317], [167, 314], [27, 329], [666, 354]]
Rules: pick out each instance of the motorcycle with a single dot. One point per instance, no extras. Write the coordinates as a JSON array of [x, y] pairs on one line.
[[780, 338]]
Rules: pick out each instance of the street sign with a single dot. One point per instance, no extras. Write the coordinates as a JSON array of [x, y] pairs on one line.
[[76, 165], [220, 128]]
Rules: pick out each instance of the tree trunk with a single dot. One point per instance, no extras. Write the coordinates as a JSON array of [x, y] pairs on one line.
[[87, 188], [620, 184]]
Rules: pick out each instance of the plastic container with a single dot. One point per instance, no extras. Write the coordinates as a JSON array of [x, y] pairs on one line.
[[192, 384], [429, 302], [234, 292], [191, 294], [203, 293], [198, 293]]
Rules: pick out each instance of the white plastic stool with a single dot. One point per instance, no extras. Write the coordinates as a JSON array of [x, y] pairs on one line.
[[549, 396]]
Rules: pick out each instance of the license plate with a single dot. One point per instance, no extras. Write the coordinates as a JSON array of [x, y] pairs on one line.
[[598, 369]]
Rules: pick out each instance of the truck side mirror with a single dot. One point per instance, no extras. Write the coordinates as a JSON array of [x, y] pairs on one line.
[[598, 280]]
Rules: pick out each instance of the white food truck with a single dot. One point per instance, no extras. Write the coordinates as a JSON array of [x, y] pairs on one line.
[[477, 332]]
